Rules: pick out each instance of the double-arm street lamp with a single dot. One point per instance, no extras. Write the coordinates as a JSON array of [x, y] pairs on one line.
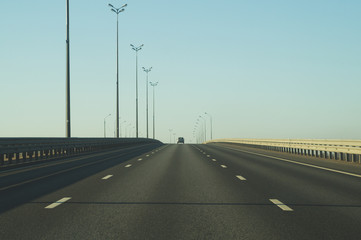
[[201, 130], [195, 132], [198, 128], [154, 85], [210, 118], [136, 49], [147, 71], [205, 128], [117, 11]]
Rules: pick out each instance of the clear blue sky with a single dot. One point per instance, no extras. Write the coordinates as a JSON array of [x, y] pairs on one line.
[[262, 69]]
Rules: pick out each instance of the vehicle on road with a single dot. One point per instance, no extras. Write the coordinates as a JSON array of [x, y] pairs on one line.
[[180, 140]]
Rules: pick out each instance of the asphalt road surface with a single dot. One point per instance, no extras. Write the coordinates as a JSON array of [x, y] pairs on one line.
[[182, 192]]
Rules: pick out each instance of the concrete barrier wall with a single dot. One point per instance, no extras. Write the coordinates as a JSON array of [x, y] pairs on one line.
[[345, 150]]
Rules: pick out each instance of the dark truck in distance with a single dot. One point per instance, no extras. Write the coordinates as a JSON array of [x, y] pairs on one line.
[[180, 140]]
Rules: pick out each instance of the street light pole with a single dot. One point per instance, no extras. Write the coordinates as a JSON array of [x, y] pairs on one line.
[[117, 11], [210, 118], [147, 71], [205, 128], [196, 131], [136, 49], [105, 131], [201, 129], [68, 132], [153, 85]]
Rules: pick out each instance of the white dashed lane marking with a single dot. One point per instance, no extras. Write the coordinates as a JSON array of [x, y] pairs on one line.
[[57, 203], [223, 166], [208, 155], [241, 178], [281, 205], [140, 159], [107, 177], [129, 165], [214, 160]]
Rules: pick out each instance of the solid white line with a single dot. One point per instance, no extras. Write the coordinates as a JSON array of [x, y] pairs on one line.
[[214, 160], [223, 166], [129, 165], [57, 203], [279, 204], [300, 163], [241, 178], [107, 177], [140, 159]]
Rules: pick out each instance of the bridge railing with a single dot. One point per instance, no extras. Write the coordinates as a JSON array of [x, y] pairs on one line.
[[20, 150], [347, 150]]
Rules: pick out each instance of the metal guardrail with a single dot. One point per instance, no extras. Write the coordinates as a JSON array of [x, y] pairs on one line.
[[347, 150], [20, 150]]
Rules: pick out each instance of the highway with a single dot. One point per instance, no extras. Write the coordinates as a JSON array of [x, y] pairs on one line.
[[156, 191]]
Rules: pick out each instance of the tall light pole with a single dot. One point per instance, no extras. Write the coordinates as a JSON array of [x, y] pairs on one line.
[[195, 131], [153, 85], [147, 71], [117, 11], [205, 128], [201, 129], [210, 118], [105, 131], [68, 132], [136, 49]]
